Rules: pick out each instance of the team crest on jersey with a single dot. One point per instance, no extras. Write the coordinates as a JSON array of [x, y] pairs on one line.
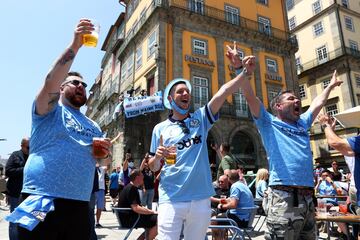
[[194, 123]]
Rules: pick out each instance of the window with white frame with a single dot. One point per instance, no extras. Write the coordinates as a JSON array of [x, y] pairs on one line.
[[142, 15], [197, 6], [240, 103], [201, 91], [316, 6], [271, 65], [302, 92], [151, 44], [326, 83], [199, 47], [345, 3], [123, 71], [322, 54], [353, 45], [331, 109], [349, 23], [318, 29], [292, 23], [289, 4], [138, 57], [264, 25], [232, 15], [130, 64], [265, 2], [357, 80], [298, 63]]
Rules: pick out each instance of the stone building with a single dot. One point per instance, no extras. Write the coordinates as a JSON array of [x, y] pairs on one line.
[[155, 41]]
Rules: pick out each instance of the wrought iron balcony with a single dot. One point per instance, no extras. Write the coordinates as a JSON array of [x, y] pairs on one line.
[[328, 57], [234, 19]]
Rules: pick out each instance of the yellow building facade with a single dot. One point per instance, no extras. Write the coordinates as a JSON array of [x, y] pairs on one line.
[[156, 41], [328, 36]]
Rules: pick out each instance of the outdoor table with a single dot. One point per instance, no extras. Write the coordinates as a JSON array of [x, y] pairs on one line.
[[338, 217], [331, 196]]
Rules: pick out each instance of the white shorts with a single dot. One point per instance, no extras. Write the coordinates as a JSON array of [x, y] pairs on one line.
[[195, 215]]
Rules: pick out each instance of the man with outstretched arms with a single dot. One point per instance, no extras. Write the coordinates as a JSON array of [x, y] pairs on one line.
[[185, 187], [289, 205]]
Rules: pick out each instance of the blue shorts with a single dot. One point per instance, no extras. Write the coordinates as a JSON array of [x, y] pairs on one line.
[[100, 199]]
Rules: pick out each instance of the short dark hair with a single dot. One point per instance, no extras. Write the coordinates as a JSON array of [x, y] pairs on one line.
[[326, 171], [172, 87], [76, 74], [277, 99], [134, 173], [226, 146]]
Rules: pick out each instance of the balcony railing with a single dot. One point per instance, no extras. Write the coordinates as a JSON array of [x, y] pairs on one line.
[[241, 22], [330, 56]]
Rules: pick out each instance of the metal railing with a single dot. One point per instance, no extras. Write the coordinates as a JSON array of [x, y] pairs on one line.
[[241, 22], [330, 56]]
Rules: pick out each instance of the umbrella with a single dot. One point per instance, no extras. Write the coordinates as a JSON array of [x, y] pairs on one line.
[[349, 117]]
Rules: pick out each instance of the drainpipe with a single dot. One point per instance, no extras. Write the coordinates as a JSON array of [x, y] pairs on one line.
[[343, 49]]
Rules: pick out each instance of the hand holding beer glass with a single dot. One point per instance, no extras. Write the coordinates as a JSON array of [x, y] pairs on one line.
[[101, 147], [168, 152], [90, 40]]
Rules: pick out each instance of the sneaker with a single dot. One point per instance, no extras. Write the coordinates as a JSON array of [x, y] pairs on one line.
[[98, 225]]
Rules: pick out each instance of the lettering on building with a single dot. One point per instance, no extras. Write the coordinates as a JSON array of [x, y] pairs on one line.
[[199, 60], [273, 77]]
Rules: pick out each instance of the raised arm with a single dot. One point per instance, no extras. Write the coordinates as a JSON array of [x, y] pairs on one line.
[[341, 145], [320, 100], [233, 85], [49, 93], [252, 100]]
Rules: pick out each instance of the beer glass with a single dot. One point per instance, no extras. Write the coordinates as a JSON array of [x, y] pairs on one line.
[[99, 151], [171, 158], [90, 40]]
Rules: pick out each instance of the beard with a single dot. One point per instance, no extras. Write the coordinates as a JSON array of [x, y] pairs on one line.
[[77, 100]]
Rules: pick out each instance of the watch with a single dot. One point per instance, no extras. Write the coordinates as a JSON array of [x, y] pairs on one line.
[[324, 126]]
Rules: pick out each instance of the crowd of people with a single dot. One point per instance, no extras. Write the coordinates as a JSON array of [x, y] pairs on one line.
[[60, 188]]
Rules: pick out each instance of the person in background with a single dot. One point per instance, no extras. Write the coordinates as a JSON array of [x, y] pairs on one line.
[[114, 185], [14, 171], [327, 187], [317, 172], [227, 163], [262, 176], [92, 205], [240, 197], [58, 175], [130, 198], [337, 175], [222, 191], [147, 192], [100, 194]]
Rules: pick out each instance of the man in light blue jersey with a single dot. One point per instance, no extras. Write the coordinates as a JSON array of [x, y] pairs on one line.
[[59, 173], [285, 137], [185, 187]]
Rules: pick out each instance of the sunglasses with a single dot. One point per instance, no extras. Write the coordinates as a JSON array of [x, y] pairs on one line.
[[183, 127], [76, 83]]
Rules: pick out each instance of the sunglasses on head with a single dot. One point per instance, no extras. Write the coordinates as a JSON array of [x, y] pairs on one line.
[[183, 127], [76, 83]]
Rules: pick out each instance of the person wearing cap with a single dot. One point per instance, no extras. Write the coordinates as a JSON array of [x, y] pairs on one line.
[[288, 204], [185, 187], [59, 172]]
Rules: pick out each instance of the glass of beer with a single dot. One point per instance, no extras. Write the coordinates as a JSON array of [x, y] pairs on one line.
[[90, 40], [171, 158], [99, 151]]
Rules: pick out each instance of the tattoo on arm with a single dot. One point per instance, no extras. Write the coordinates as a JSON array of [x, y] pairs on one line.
[[53, 98], [69, 55]]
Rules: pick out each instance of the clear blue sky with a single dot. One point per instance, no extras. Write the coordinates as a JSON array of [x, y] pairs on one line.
[[33, 34]]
